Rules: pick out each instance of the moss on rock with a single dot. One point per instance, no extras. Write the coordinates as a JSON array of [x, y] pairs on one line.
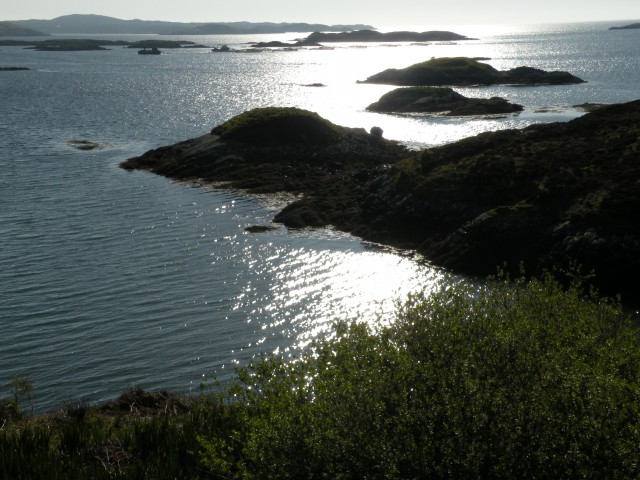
[[279, 125]]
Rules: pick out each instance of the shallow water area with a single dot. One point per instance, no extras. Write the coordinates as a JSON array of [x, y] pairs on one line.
[[110, 278]]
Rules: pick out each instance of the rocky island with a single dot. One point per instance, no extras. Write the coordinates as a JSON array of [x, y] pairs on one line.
[[440, 100], [375, 36], [463, 71], [547, 195]]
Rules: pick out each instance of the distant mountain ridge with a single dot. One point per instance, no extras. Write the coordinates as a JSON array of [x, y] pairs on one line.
[[100, 24], [11, 29]]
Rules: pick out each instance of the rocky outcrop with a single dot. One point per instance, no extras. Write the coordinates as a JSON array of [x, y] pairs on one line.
[[271, 150], [547, 195], [440, 100], [462, 71], [375, 36]]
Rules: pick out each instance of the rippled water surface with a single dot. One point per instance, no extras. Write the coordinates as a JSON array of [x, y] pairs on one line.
[[111, 278]]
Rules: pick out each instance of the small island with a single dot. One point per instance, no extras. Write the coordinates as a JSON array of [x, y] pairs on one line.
[[440, 100], [463, 71], [548, 195], [375, 36]]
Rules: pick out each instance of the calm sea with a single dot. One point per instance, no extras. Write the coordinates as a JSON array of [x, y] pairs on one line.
[[110, 279]]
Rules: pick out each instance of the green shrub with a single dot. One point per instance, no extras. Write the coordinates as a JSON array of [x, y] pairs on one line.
[[514, 380]]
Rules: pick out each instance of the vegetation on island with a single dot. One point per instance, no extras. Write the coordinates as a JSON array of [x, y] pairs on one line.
[[513, 379], [461, 71], [274, 126]]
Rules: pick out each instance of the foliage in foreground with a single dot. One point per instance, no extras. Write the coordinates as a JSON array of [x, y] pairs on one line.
[[516, 380]]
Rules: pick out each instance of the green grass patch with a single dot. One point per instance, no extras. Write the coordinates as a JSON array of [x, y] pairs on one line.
[[279, 125]]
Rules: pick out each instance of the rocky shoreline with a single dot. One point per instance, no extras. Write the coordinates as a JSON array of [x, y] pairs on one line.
[[547, 196]]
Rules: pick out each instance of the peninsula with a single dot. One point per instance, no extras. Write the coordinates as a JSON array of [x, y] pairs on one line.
[[547, 195], [463, 71]]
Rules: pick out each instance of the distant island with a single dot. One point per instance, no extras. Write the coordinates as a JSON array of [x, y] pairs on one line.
[[627, 27], [86, 44], [461, 71], [547, 195], [100, 24], [375, 36]]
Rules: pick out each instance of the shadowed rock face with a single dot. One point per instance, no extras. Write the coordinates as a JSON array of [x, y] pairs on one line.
[[462, 71], [440, 100], [547, 195]]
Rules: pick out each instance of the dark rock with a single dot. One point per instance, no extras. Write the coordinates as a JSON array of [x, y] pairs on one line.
[[589, 107], [259, 228], [462, 71], [84, 145], [440, 100], [13, 69], [273, 44]]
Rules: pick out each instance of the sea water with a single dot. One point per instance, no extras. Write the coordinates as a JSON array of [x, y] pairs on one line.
[[111, 279]]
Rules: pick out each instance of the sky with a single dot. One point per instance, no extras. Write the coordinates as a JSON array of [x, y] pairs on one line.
[[373, 12]]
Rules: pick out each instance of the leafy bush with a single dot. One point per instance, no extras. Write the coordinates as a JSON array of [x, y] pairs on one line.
[[515, 380]]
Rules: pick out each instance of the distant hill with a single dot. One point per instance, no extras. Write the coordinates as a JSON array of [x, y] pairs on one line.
[[249, 28], [10, 29], [627, 27], [97, 24]]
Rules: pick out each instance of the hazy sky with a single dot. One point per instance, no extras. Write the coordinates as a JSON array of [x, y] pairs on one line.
[[375, 12]]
